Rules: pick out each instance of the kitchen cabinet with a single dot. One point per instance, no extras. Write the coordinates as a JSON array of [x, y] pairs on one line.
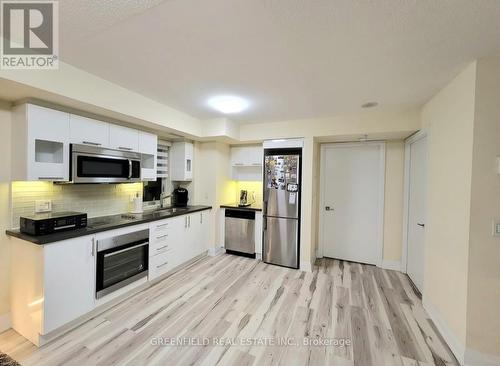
[[69, 280], [87, 131], [148, 147], [40, 144], [51, 285], [246, 162], [123, 138], [42, 136], [247, 155], [197, 233], [177, 240], [181, 161]]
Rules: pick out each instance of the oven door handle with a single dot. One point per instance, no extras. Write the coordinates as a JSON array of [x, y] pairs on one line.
[[125, 250]]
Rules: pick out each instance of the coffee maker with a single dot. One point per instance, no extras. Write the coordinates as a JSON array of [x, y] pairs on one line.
[[180, 197]]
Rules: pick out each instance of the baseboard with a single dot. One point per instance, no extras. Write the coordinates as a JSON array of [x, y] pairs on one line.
[[5, 323], [392, 265], [212, 252], [451, 339], [305, 266], [475, 358]]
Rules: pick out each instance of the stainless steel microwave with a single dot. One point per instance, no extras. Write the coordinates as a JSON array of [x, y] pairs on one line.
[[90, 164]]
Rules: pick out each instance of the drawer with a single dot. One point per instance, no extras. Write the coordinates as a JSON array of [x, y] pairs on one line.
[[159, 237], [160, 247], [160, 228], [161, 264]]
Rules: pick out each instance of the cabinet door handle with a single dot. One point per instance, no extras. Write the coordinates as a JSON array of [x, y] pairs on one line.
[[185, 222], [50, 178], [201, 218], [189, 221], [91, 143], [421, 225], [125, 148], [93, 247]]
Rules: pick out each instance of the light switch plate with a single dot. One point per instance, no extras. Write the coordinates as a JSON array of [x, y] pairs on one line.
[[496, 227], [43, 206]]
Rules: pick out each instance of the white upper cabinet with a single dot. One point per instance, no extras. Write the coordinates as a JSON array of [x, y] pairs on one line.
[[181, 161], [42, 136], [148, 147], [40, 144], [123, 138], [247, 155], [87, 131], [246, 162]]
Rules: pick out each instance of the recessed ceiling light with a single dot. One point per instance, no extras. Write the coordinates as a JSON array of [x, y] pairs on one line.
[[228, 104], [369, 105]]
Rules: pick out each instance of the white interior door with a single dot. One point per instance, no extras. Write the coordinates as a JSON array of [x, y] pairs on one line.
[[352, 204], [417, 190]]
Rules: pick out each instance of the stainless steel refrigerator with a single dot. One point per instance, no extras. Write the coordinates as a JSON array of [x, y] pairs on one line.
[[281, 226]]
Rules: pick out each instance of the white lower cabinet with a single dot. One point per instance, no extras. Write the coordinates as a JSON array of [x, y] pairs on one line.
[[177, 240], [69, 279], [52, 285]]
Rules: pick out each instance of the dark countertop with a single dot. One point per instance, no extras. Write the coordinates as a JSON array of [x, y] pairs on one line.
[[257, 206], [103, 223]]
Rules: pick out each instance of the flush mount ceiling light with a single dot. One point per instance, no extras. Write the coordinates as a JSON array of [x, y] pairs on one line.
[[228, 104], [369, 105]]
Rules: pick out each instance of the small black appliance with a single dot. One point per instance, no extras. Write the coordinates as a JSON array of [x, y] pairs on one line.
[[180, 197], [47, 223]]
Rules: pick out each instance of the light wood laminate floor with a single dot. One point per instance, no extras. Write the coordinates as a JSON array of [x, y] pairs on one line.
[[248, 305]]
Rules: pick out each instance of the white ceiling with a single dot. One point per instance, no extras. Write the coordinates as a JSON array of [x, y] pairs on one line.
[[292, 58]]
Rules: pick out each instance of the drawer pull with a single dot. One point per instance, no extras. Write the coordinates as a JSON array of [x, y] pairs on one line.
[[163, 247], [162, 225], [162, 265], [125, 148], [161, 237]]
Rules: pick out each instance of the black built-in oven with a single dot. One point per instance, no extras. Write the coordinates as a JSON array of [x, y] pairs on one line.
[[121, 260], [91, 164]]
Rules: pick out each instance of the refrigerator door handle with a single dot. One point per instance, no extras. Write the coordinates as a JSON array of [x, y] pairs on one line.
[[264, 224]]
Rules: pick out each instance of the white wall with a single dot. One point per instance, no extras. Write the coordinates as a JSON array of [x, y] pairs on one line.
[[483, 308], [212, 184], [449, 117], [5, 125], [393, 204]]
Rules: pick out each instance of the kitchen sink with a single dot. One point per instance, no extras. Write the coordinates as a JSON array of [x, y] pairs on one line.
[[168, 211]]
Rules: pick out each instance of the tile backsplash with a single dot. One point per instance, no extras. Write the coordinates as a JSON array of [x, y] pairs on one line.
[[94, 199]]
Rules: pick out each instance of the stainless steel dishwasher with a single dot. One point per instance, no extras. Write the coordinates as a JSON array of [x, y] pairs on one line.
[[240, 232]]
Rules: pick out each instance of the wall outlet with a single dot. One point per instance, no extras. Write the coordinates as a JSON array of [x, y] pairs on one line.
[[43, 206], [496, 227]]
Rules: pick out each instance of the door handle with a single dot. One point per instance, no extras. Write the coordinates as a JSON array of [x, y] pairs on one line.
[[328, 208], [129, 169], [421, 225]]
